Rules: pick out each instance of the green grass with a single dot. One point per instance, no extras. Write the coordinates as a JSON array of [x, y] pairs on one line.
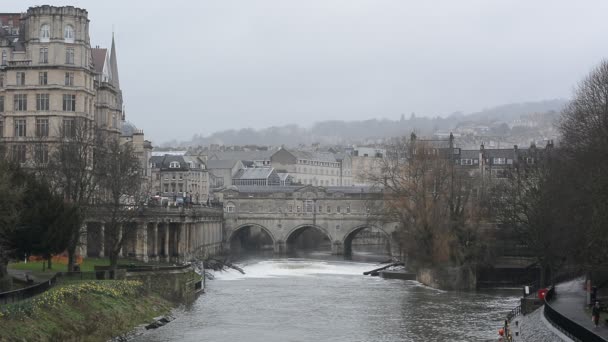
[[86, 266]]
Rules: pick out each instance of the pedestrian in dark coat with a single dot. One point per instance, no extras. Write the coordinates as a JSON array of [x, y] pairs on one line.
[[595, 312]]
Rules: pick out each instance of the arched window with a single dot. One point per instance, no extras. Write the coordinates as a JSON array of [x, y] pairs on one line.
[[68, 34], [230, 207], [45, 33]]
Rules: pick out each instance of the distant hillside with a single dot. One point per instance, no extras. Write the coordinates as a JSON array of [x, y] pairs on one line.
[[368, 131]]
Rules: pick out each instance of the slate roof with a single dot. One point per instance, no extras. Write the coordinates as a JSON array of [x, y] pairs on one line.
[[317, 156], [220, 164], [242, 155], [294, 188], [254, 173], [163, 162], [99, 58], [469, 154]]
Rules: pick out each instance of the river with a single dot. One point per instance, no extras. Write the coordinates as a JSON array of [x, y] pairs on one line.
[[330, 300]]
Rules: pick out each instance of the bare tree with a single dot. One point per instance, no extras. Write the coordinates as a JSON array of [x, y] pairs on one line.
[[431, 201], [122, 194], [71, 168], [530, 202], [584, 128]]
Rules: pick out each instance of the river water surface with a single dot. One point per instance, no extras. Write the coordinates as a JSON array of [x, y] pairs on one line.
[[316, 300]]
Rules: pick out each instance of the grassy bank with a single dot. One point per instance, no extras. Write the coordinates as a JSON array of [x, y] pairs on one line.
[[82, 311]]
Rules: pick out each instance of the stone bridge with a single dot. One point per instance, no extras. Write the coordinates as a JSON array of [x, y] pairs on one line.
[[284, 212], [159, 234]]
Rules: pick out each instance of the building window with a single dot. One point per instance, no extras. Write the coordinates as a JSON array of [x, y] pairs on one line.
[[1, 104], [1, 81], [290, 208], [68, 34], [174, 165], [41, 154], [43, 78], [4, 58], [348, 209], [308, 206], [20, 78], [45, 33], [499, 161], [44, 55], [69, 56], [18, 153], [42, 101], [69, 79], [69, 129], [20, 102], [328, 209], [42, 127], [298, 209], [338, 209], [466, 161], [529, 160], [69, 103], [1, 128]]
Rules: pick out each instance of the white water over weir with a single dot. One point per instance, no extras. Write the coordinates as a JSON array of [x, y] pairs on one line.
[[324, 300]]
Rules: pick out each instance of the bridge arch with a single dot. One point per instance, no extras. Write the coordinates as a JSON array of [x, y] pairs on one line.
[[294, 233], [347, 243], [238, 230]]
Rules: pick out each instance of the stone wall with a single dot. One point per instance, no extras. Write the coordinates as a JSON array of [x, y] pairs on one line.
[[175, 285], [448, 278]]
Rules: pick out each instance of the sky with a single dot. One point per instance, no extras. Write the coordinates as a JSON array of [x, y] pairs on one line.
[[198, 66]]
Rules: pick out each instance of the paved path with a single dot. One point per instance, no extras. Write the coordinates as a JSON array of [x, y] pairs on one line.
[[569, 300]]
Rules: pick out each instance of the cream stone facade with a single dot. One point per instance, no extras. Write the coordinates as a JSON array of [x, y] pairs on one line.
[[48, 80]]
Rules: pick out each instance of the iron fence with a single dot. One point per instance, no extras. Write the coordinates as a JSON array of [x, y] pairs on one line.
[[574, 330]]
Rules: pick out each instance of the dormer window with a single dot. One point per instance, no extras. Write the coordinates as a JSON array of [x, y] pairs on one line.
[[45, 33], [68, 34], [174, 165]]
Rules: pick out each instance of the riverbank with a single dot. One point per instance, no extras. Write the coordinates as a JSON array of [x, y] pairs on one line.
[[82, 311]]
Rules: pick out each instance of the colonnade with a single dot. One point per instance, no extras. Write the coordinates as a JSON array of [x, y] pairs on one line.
[[154, 240]]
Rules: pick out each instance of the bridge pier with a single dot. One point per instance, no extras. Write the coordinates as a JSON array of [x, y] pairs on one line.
[[279, 247], [337, 248]]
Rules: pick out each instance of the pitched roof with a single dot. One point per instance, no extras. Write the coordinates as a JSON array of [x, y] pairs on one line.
[[99, 58], [242, 155], [221, 164], [317, 156], [254, 173], [163, 162]]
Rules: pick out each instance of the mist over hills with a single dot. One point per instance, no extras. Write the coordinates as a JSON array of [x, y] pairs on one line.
[[530, 120]]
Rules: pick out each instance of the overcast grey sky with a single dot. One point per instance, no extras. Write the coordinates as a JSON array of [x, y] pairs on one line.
[[200, 66]]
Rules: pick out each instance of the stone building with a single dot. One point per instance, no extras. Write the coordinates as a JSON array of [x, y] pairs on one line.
[[181, 178], [51, 81], [314, 168]]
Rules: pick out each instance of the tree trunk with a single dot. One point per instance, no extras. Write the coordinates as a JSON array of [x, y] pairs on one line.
[[49, 262], [6, 281], [71, 258], [113, 261]]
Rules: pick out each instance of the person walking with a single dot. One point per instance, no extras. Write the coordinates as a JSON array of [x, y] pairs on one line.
[[595, 313]]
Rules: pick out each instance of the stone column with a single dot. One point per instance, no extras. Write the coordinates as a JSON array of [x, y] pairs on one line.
[[141, 245], [102, 239], [83, 241], [337, 248], [155, 249], [166, 241], [279, 247]]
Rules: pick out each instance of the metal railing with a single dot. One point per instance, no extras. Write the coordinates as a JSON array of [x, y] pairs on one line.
[[31, 291], [574, 330], [514, 313], [27, 292]]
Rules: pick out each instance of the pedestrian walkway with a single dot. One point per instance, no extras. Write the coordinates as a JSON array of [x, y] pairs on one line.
[[569, 300]]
